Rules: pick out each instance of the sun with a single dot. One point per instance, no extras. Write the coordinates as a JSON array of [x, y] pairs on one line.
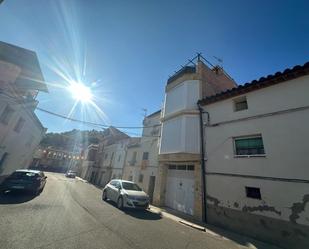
[[80, 92]]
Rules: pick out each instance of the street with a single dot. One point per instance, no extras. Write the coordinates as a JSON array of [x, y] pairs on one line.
[[69, 213]]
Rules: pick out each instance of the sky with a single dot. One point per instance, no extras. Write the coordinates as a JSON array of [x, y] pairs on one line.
[[126, 50]]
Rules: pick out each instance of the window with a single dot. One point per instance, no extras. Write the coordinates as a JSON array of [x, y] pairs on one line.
[[119, 157], [249, 146], [240, 104], [253, 192], [171, 166], [140, 178], [113, 183], [118, 185], [130, 178], [145, 155], [6, 115], [181, 167], [19, 125], [133, 160], [190, 167], [131, 186]]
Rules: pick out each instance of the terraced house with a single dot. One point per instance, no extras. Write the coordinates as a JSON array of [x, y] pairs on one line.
[[256, 156], [21, 131], [237, 156]]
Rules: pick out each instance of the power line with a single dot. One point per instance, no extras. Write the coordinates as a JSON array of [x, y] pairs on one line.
[[95, 124], [103, 126]]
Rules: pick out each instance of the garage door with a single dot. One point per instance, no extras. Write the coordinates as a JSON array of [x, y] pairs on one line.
[[180, 188]]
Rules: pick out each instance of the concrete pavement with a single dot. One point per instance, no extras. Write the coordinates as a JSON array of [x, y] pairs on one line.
[[69, 213]]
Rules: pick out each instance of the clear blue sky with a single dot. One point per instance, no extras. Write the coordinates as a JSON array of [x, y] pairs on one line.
[[132, 47]]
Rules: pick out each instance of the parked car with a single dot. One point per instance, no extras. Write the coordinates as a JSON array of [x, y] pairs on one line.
[[32, 181], [70, 174], [126, 194]]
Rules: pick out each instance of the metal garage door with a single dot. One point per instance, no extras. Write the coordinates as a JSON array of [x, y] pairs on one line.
[[180, 188]]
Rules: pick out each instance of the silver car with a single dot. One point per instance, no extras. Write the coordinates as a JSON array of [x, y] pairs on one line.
[[126, 194]]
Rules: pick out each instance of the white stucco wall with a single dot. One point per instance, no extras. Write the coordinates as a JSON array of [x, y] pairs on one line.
[[285, 138], [286, 95], [21, 145]]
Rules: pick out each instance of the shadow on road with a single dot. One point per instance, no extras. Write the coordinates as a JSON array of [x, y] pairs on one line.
[[138, 213], [143, 214], [15, 198]]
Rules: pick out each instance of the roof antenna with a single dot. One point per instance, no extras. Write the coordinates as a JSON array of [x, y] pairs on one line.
[[145, 112], [219, 60]]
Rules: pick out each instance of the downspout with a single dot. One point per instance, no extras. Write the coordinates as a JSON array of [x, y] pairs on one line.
[[203, 164]]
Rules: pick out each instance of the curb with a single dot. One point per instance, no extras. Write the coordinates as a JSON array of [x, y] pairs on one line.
[[81, 179], [185, 222], [200, 228]]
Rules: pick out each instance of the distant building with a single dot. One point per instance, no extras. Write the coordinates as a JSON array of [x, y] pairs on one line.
[[92, 166], [56, 160], [21, 131], [142, 155]]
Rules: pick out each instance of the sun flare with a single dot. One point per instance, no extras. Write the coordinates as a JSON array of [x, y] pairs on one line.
[[80, 92]]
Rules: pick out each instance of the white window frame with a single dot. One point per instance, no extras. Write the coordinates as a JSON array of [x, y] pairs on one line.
[[238, 100]]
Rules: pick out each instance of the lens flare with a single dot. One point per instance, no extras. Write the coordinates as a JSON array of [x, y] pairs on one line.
[[80, 92]]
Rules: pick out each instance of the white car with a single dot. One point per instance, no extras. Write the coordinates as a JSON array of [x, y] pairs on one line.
[[126, 194]]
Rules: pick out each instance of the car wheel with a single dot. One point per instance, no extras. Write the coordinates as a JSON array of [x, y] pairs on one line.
[[120, 203], [104, 197]]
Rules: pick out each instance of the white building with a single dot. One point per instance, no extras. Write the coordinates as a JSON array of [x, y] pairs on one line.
[[179, 176], [142, 155], [20, 130], [96, 168], [113, 161], [257, 165]]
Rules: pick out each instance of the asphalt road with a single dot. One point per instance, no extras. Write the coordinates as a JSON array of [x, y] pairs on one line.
[[69, 213]]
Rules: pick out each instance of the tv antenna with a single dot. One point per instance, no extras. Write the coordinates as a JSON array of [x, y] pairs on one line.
[[219, 61], [144, 112]]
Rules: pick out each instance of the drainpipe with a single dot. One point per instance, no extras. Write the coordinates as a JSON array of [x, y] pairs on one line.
[[203, 164]]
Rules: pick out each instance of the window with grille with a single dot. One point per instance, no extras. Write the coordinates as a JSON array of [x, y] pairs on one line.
[[240, 104], [247, 146]]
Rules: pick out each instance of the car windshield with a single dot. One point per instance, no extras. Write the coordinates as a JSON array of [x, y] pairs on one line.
[[131, 186], [23, 175]]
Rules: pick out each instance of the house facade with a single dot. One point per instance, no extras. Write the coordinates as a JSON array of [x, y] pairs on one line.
[[21, 131], [179, 174], [113, 161], [257, 174], [142, 155], [95, 167]]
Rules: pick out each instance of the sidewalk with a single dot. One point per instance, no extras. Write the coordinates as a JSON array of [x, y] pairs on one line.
[[211, 230]]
